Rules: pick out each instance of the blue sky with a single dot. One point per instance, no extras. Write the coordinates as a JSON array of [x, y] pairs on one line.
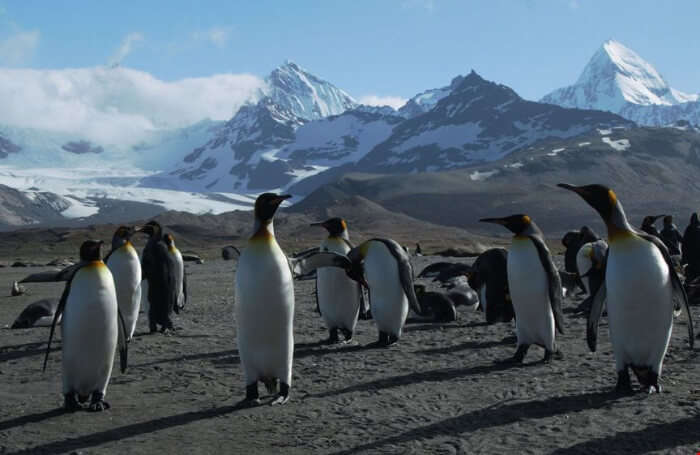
[[367, 47]]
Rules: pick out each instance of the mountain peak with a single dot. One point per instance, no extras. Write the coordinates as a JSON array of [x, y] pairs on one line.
[[305, 95], [617, 79]]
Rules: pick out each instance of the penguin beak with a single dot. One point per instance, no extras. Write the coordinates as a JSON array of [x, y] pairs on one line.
[[281, 198], [574, 188], [318, 223], [500, 221], [657, 217]]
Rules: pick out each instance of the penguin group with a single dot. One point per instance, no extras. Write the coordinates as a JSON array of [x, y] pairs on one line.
[[375, 280]]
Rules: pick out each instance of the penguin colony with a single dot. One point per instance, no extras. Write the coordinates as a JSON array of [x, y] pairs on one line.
[[99, 307]]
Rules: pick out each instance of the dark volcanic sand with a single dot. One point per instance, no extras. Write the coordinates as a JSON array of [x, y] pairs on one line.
[[437, 391]]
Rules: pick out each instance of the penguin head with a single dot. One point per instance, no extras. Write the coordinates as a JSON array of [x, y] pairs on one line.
[[169, 239], [517, 224], [266, 205], [600, 197], [152, 228], [650, 220], [122, 235], [694, 220], [91, 250], [335, 226], [668, 220], [419, 289]]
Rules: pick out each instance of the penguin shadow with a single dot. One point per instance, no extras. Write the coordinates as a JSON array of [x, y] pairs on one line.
[[19, 351], [496, 415], [114, 434], [302, 350], [469, 345], [228, 356], [440, 375], [420, 325]]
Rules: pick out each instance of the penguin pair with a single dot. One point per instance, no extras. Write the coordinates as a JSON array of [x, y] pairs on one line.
[[163, 270], [642, 291], [535, 287], [91, 328]]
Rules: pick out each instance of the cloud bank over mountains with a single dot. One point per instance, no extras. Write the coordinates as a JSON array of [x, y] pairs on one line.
[[118, 105]]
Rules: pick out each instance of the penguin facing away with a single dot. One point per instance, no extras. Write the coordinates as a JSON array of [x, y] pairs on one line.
[[590, 256], [338, 296], [265, 307], [124, 263], [389, 274], [89, 331], [159, 269], [642, 291], [535, 287], [180, 278], [489, 277]]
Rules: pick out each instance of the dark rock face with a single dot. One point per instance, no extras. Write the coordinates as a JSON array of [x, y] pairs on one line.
[[81, 147], [7, 147]]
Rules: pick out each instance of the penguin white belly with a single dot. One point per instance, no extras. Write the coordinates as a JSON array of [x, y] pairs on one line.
[[179, 276], [89, 331], [125, 266], [388, 301], [584, 264], [338, 295], [639, 302], [264, 312], [529, 292]]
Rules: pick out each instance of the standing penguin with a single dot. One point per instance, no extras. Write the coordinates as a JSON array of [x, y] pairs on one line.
[[91, 320], [641, 287], [649, 227], [535, 287], [489, 277], [691, 248], [389, 274], [590, 256], [338, 296], [159, 268], [180, 279], [125, 265], [265, 307]]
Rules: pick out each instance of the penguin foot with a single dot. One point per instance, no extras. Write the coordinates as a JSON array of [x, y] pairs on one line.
[[97, 404], [246, 403], [552, 355], [283, 396], [70, 404], [520, 353], [624, 383], [347, 334], [333, 336]]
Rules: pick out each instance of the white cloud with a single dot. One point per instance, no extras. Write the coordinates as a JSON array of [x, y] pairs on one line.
[[117, 106], [125, 48], [18, 48], [374, 100], [218, 36]]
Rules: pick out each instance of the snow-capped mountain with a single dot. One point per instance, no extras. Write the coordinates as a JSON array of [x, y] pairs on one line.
[[425, 101], [618, 80], [305, 95], [478, 121]]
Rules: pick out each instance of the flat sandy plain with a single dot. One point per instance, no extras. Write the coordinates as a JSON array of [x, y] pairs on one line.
[[437, 391]]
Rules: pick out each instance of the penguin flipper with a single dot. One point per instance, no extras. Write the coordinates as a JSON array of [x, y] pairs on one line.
[[680, 297], [59, 311], [597, 303], [403, 261], [553, 280], [124, 344], [50, 276], [184, 289], [304, 265]]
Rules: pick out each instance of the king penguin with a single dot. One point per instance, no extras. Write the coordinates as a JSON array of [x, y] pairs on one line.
[[89, 331], [338, 295], [124, 263], [641, 287], [180, 279], [159, 268], [389, 275], [535, 287], [265, 307]]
